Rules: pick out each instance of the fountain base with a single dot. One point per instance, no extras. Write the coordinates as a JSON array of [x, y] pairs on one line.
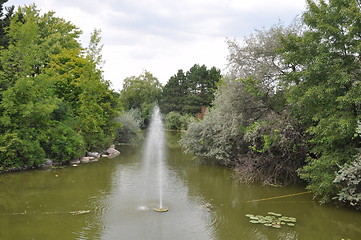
[[161, 209]]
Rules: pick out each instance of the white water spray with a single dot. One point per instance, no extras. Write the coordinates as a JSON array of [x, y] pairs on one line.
[[154, 153]]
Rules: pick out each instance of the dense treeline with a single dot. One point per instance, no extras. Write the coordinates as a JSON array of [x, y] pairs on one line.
[[54, 102], [183, 96], [289, 108]]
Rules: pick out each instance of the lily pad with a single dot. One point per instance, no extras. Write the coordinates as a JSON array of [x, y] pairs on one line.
[[275, 220], [276, 226]]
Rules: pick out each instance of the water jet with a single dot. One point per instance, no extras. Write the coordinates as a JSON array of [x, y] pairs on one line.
[[154, 153]]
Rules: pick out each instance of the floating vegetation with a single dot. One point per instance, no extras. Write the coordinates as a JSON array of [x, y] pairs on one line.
[[275, 220]]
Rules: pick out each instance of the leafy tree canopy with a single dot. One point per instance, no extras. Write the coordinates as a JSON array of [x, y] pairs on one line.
[[53, 100], [141, 92], [324, 89]]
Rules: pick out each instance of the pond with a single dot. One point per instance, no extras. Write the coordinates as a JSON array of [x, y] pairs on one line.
[[114, 199]]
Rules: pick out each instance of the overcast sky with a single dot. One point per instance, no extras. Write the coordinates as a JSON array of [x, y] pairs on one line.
[[162, 36]]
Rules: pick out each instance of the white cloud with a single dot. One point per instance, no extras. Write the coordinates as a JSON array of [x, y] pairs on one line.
[[163, 36]]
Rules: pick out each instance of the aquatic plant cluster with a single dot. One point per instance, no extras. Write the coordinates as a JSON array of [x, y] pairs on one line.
[[275, 220]]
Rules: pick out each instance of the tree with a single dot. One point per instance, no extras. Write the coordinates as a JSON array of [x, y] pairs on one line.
[[53, 100], [130, 131], [189, 92], [5, 22], [201, 85], [174, 93], [142, 92], [324, 88], [95, 48], [88, 105], [250, 128]]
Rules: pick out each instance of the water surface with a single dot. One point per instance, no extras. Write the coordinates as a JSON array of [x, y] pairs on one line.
[[114, 199]]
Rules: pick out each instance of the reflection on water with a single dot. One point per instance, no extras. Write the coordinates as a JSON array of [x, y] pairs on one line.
[[205, 202]]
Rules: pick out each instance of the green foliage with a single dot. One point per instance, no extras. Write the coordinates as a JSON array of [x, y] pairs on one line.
[[201, 85], [324, 87], [16, 151], [187, 93], [95, 48], [130, 131], [5, 18], [54, 102], [174, 93], [348, 180], [249, 127], [62, 143], [177, 121], [142, 92]]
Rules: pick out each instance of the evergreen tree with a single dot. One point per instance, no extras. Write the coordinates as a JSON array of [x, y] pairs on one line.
[[174, 93], [5, 18], [189, 92]]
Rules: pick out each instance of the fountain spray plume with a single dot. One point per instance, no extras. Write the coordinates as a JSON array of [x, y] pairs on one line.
[[155, 151]]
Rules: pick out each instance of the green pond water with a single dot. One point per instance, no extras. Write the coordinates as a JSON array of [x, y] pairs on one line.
[[114, 199]]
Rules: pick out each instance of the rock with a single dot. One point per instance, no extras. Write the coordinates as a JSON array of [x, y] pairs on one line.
[[93, 154], [74, 161], [93, 159], [47, 165], [111, 152], [84, 159], [48, 162]]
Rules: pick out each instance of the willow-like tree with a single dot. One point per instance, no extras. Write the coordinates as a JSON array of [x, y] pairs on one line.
[[249, 127], [142, 93]]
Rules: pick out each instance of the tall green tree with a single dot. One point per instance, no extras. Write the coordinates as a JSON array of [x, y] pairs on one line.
[[174, 93], [325, 90], [201, 84], [189, 92], [141, 92], [88, 105], [54, 101], [95, 48], [5, 18]]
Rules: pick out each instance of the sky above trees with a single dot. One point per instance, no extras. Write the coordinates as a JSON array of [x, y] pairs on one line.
[[162, 36]]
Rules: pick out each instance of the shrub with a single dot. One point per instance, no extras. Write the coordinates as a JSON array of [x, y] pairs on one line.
[[19, 152], [62, 143], [177, 121], [348, 179], [130, 129]]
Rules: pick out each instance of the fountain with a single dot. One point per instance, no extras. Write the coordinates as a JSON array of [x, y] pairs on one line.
[[155, 152]]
